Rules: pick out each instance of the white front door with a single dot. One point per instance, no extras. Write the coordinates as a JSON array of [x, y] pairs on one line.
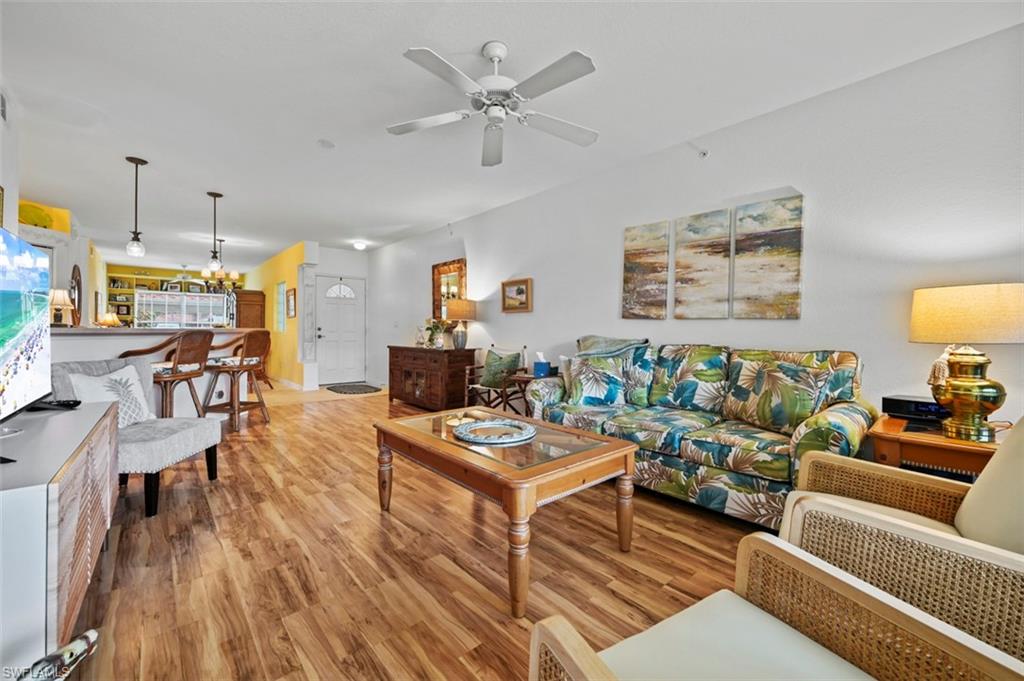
[[340, 329]]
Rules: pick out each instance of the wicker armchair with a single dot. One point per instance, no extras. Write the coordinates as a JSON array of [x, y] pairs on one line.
[[948, 548], [791, 616]]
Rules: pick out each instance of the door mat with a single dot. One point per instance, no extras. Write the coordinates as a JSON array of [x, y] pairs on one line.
[[353, 388]]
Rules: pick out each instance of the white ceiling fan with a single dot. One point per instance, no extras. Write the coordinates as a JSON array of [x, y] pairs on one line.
[[498, 97]]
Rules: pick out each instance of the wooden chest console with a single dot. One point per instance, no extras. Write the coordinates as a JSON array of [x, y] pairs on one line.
[[56, 502], [428, 378]]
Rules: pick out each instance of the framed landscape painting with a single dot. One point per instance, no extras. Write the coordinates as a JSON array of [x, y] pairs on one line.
[[645, 271], [517, 295], [766, 271], [703, 245]]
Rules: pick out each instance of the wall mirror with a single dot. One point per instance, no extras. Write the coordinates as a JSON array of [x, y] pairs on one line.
[[449, 282]]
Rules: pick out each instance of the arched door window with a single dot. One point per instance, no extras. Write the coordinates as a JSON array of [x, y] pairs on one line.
[[340, 291]]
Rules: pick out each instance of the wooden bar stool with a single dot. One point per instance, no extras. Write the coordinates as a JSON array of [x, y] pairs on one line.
[[184, 362], [248, 357]]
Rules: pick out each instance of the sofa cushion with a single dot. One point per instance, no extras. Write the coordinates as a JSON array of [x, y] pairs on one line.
[[584, 416], [739, 447], [658, 429], [724, 636], [690, 377], [637, 374], [597, 380], [770, 390]]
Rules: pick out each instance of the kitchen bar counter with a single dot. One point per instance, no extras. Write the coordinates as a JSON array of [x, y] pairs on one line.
[[85, 343]]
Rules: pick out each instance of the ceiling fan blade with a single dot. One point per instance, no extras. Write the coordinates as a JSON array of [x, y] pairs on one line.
[[567, 69], [429, 122], [492, 144], [437, 65], [576, 134]]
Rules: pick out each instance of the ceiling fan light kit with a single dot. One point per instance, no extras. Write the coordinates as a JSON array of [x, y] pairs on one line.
[[499, 97]]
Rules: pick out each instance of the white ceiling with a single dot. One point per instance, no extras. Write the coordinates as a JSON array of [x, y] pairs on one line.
[[233, 97]]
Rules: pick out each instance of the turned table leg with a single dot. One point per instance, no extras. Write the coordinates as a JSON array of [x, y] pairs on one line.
[[624, 510], [519, 565], [384, 457]]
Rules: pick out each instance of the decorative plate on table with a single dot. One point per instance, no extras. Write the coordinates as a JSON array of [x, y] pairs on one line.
[[495, 432]]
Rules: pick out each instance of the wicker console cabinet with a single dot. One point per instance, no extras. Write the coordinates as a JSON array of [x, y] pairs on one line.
[[428, 378]]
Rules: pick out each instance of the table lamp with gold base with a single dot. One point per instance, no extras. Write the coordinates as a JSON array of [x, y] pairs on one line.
[[982, 314]]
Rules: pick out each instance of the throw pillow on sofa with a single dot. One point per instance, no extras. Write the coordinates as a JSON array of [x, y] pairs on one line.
[[767, 390], [122, 386], [596, 381], [690, 377]]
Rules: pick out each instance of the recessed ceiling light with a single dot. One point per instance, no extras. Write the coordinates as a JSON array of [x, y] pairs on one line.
[[325, 143], [359, 245]]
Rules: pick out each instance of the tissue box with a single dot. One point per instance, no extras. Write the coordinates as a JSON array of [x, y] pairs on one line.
[[541, 369]]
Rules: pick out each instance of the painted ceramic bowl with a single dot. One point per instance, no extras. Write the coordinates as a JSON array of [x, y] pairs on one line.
[[495, 432]]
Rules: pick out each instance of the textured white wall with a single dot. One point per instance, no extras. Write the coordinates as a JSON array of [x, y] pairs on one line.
[[911, 178]]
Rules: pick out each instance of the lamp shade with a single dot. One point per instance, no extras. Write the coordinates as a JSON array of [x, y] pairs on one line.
[[982, 313], [59, 298], [462, 309]]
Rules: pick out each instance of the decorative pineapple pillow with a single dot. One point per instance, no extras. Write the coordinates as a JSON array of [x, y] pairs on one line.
[[123, 386], [597, 380]]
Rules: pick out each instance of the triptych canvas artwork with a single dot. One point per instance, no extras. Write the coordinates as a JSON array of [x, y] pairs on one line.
[[743, 262]]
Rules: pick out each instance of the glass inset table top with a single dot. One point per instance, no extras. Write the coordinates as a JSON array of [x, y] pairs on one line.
[[549, 444]]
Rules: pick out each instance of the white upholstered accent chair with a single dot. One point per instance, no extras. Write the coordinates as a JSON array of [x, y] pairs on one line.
[[792, 616], [952, 549], [150, 446]]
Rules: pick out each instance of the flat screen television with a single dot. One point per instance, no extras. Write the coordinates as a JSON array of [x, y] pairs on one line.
[[24, 324]]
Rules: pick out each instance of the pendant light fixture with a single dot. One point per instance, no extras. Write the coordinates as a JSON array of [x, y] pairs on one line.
[[214, 263], [135, 247]]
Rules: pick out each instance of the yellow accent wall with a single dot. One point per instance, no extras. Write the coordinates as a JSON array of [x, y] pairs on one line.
[[95, 281], [156, 272], [284, 346], [47, 217]]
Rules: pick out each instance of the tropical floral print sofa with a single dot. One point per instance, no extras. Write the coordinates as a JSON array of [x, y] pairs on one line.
[[721, 428]]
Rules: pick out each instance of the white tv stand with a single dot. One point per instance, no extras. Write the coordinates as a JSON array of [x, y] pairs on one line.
[[56, 501]]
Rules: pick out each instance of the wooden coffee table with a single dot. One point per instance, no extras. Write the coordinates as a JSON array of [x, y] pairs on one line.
[[557, 462]]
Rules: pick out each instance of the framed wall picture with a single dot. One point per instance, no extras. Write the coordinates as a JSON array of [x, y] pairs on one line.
[[517, 295], [645, 271], [289, 305], [124, 310], [173, 286], [196, 288]]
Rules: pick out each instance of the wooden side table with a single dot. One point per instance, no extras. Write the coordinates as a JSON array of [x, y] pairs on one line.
[[895, 445]]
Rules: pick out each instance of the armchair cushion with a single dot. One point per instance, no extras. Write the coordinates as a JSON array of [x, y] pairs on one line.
[[584, 416], [701, 642], [597, 381], [690, 377], [497, 368], [772, 389], [992, 512], [658, 429], [151, 446], [122, 386], [739, 447], [60, 375]]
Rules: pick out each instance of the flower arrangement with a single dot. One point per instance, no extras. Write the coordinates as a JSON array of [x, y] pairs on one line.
[[434, 329]]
